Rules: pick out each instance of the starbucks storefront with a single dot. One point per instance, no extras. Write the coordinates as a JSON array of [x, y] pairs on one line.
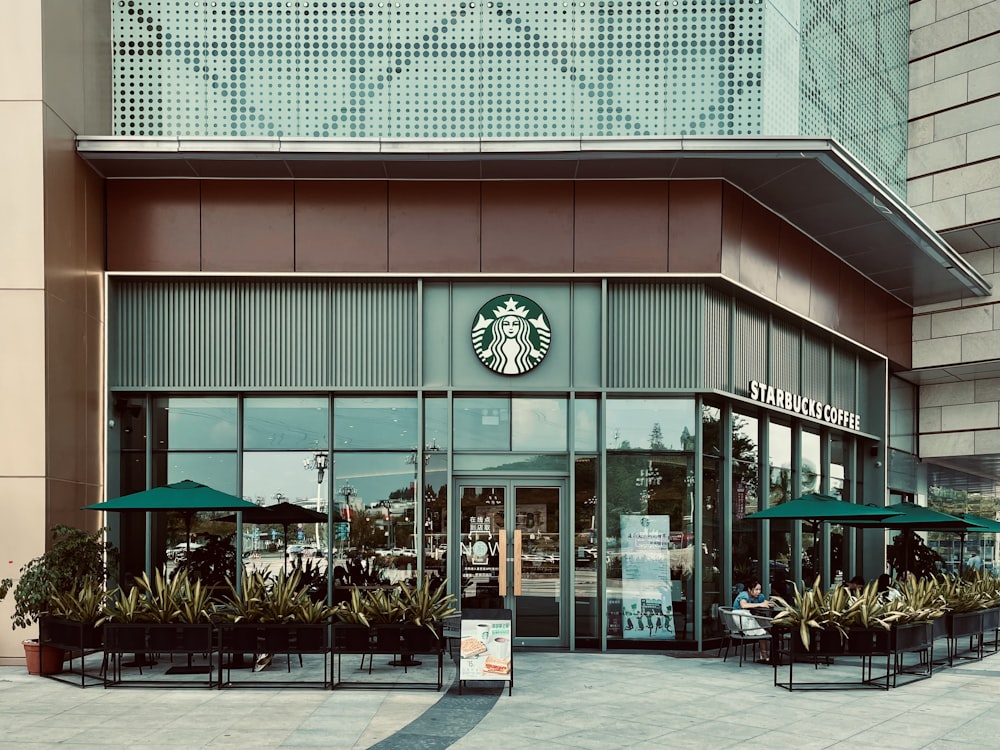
[[583, 451]]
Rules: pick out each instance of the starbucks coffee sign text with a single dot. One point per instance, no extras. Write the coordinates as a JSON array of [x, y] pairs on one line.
[[808, 407]]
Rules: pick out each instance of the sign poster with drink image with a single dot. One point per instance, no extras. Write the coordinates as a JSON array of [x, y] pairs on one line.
[[647, 603], [486, 648]]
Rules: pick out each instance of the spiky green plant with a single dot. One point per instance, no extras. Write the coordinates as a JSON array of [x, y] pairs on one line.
[[283, 598], [161, 596], [245, 605], [194, 603], [84, 604], [353, 611], [124, 606], [427, 605], [805, 612], [865, 610]]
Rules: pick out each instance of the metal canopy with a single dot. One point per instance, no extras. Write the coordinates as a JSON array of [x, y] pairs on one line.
[[812, 183]]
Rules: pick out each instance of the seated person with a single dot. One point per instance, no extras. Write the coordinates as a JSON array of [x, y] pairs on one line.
[[752, 603], [856, 585], [752, 598], [886, 593]]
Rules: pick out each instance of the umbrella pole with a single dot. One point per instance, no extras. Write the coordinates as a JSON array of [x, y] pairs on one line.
[[284, 544], [961, 552]]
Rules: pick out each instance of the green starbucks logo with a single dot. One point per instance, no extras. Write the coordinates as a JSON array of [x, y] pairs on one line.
[[510, 334]]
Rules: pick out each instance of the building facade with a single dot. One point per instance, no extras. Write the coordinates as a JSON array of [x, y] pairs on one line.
[[553, 287]]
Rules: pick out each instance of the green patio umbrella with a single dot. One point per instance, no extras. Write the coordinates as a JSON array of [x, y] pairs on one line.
[[922, 518], [982, 526], [816, 508], [186, 497]]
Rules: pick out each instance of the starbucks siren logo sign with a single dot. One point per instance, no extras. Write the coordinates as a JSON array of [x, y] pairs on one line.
[[510, 334]]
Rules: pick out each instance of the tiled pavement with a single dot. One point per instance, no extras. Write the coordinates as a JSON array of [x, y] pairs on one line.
[[560, 700]]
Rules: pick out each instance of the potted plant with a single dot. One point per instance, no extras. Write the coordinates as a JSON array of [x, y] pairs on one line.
[[73, 557], [808, 616], [424, 610], [75, 617]]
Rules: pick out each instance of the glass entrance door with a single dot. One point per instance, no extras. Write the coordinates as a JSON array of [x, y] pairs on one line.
[[513, 554]]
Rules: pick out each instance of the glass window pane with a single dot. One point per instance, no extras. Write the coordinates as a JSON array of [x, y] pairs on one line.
[[811, 471], [286, 423], [131, 416], [585, 425], [482, 424], [538, 424], [217, 470], [711, 429], [435, 515], [193, 424], [661, 490], [746, 483], [505, 462], [585, 549], [375, 423], [782, 568], [436, 436], [378, 487], [657, 424]]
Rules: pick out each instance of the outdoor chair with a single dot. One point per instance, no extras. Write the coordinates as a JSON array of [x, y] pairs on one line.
[[741, 630]]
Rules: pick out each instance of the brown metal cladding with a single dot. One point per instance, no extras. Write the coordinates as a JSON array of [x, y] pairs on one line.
[[527, 227], [621, 227], [795, 253], [732, 221], [759, 237], [852, 303], [248, 226], [876, 331], [154, 225], [694, 231], [899, 342], [341, 227], [434, 227], [824, 302]]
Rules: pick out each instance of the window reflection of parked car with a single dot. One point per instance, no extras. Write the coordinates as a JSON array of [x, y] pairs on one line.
[[178, 553], [305, 550]]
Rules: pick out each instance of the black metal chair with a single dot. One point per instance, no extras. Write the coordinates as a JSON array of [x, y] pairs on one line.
[[741, 630]]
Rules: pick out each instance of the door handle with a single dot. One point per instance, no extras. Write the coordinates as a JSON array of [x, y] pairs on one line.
[[503, 562], [517, 562]]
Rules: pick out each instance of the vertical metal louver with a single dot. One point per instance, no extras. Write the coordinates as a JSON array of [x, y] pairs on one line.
[[750, 345], [655, 335], [262, 334], [786, 345], [816, 368], [845, 374], [717, 349]]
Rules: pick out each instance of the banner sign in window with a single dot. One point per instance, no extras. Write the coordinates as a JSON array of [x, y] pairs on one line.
[[647, 609]]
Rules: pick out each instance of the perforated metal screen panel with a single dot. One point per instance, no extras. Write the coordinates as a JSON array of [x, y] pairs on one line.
[[524, 68]]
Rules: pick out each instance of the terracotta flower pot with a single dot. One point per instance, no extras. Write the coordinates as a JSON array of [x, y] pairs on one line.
[[42, 659]]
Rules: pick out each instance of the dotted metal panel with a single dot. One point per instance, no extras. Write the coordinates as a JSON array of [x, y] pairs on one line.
[[854, 80], [437, 69]]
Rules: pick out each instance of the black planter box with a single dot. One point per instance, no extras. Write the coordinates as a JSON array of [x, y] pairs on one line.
[[388, 638], [419, 639], [351, 638], [913, 636], [130, 636], [241, 638], [960, 624], [71, 634], [311, 636], [866, 641], [991, 619]]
